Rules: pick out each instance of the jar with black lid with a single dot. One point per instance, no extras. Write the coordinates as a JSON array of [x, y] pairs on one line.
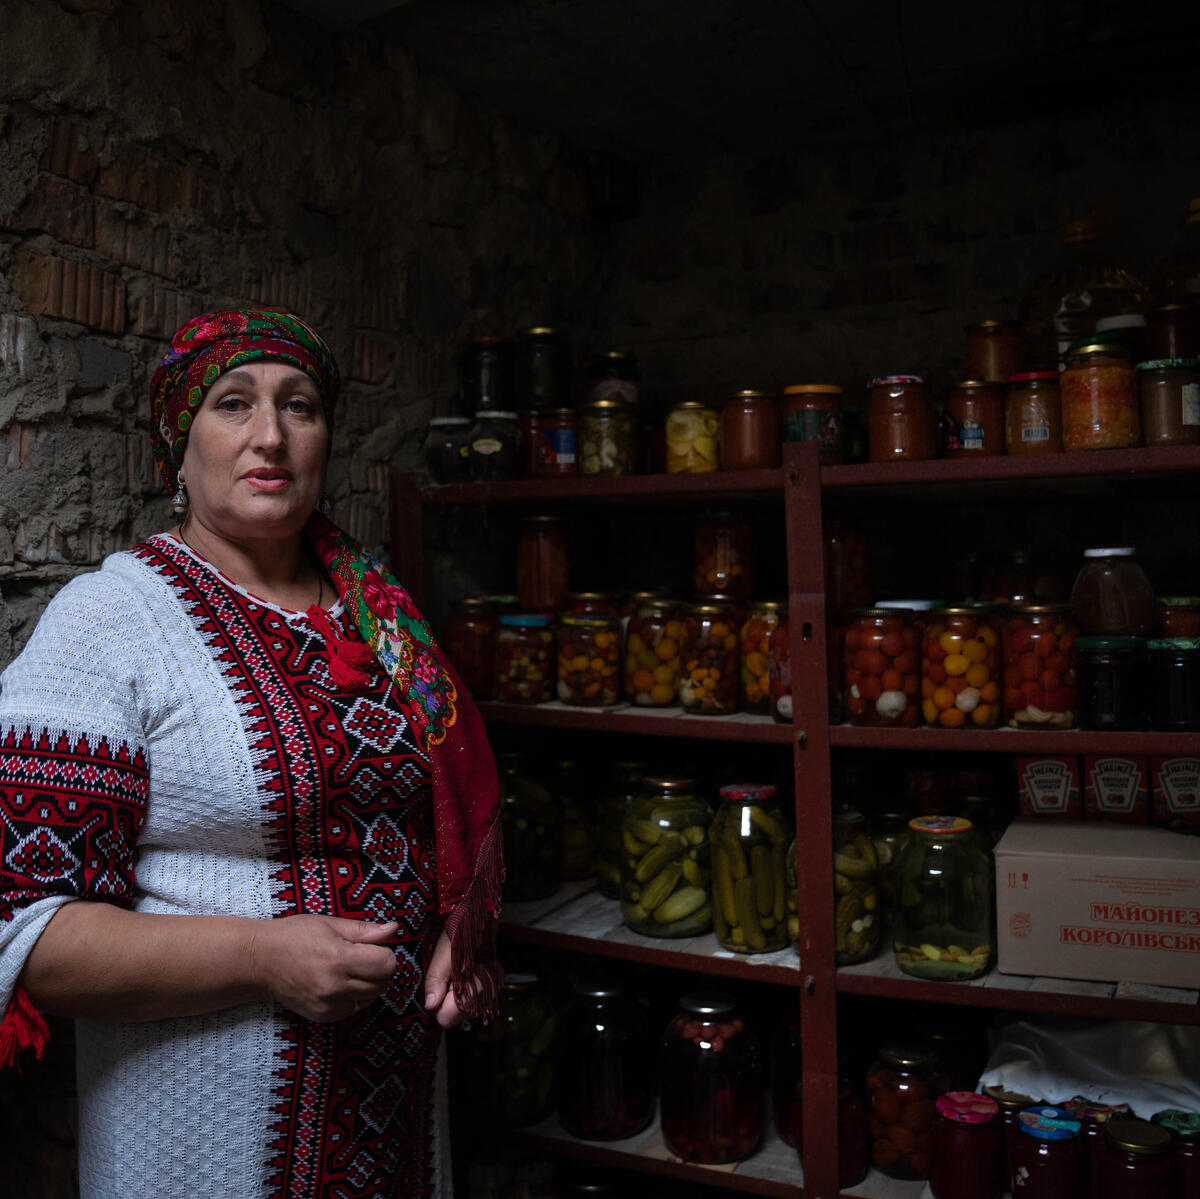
[[1174, 684], [1111, 683]]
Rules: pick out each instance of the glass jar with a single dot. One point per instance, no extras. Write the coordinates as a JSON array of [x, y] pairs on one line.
[[856, 921], [724, 556], [881, 669], [975, 412], [665, 869], [750, 438], [542, 564], [1173, 331], [1099, 398], [1173, 683], [813, 412], [495, 446], [712, 1082], [1184, 1128], [606, 1085], [762, 619], [1135, 1161], [652, 654], [1093, 1117], [1111, 683], [588, 658], [531, 823], [591, 603], [542, 368], [1047, 1155], [527, 425], [791, 896], [847, 570], [568, 790], [889, 835], [902, 1091], [1170, 397], [607, 445], [623, 787], [1039, 668], [960, 670], [787, 1074], [693, 438], [748, 840], [525, 659], [942, 926], [779, 667], [614, 375], [708, 685], [447, 449], [555, 444], [967, 1143], [1011, 1104], [993, 350], [851, 1136], [899, 419], [1033, 414], [1111, 596], [1177, 616], [469, 639], [487, 372]]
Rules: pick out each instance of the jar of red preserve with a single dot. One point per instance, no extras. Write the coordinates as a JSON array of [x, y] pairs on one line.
[[967, 1144], [813, 412], [1177, 616], [899, 419], [975, 411], [469, 639], [847, 569], [1135, 1161], [1047, 1155], [1011, 1104], [787, 1070], [1184, 1128], [750, 438], [902, 1090], [881, 669], [542, 564], [556, 444], [852, 1136], [1033, 414]]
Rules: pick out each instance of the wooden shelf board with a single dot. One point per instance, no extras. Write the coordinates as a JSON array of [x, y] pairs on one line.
[[880, 1186], [773, 1169], [1013, 741], [579, 918], [653, 722], [881, 977]]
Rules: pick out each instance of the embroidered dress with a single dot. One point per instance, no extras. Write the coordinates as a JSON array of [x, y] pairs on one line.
[[172, 744]]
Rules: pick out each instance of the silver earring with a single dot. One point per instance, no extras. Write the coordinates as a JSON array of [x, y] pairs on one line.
[[325, 504], [179, 501]]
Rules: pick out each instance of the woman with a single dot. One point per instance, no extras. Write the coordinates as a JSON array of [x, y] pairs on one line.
[[240, 720]]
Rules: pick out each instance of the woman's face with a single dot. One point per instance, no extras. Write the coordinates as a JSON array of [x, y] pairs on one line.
[[254, 465]]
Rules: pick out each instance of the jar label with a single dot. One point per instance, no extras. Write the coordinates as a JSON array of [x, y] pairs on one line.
[[965, 435], [1035, 432], [1116, 789], [1190, 398], [825, 428], [557, 447], [1049, 787], [486, 445], [1179, 781]]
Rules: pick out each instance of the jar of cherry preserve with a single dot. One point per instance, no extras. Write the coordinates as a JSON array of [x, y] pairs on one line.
[[900, 420], [1093, 1117], [605, 1084], [902, 1090], [724, 562], [1039, 668], [1047, 1155], [881, 669], [708, 685], [779, 665], [1111, 595], [542, 564], [525, 659], [967, 1144], [1135, 1161], [1184, 1128], [787, 1070], [1011, 1104], [762, 618], [711, 1081], [652, 653], [813, 412], [469, 639]]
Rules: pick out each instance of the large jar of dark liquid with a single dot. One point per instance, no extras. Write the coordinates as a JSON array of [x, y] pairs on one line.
[[1111, 596]]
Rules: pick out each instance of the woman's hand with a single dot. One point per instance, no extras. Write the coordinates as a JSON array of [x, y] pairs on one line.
[[439, 994]]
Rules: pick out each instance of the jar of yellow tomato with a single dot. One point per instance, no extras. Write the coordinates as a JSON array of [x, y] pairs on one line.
[[587, 660], [960, 669], [762, 618], [708, 685], [652, 653]]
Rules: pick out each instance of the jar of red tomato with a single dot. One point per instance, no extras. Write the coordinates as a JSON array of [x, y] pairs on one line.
[[881, 668], [1039, 668], [591, 603], [469, 639], [900, 422], [724, 561], [902, 1091], [847, 569], [1135, 1161], [975, 414], [1100, 405], [542, 564], [779, 665], [525, 659], [967, 1144], [851, 1136], [960, 669], [762, 618], [1047, 1155], [652, 653], [588, 654]]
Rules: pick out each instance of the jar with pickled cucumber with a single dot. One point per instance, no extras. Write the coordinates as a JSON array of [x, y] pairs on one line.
[[693, 436], [749, 840], [588, 654], [653, 644], [569, 790], [889, 835], [623, 787], [709, 683], [855, 889], [942, 924], [762, 619], [960, 669], [531, 824], [665, 868]]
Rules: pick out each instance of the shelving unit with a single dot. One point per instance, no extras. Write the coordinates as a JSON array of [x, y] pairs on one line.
[[578, 919]]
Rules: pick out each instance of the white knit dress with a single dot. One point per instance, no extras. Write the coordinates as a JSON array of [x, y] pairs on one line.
[[172, 744]]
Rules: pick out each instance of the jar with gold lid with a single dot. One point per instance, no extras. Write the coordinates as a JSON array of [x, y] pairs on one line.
[[607, 438], [813, 412], [750, 431], [693, 436], [993, 350], [975, 414], [1100, 407], [708, 685], [762, 619], [653, 650]]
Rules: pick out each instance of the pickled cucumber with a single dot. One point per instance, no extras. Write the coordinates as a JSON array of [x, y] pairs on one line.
[[661, 886], [668, 849], [764, 879], [683, 903]]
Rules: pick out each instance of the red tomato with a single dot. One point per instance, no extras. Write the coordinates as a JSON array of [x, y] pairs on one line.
[[906, 663], [870, 661], [892, 644], [934, 652], [869, 688], [1046, 644]]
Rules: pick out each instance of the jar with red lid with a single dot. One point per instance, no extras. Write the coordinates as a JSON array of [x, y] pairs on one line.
[[750, 435], [588, 656], [960, 669], [724, 560], [1033, 414], [1135, 1161], [1184, 1128], [902, 1091], [1011, 1104], [525, 659], [967, 1144], [1039, 668], [555, 437], [847, 569], [762, 618], [851, 1136], [787, 1073], [900, 421], [1100, 406], [975, 412], [1177, 616], [708, 685], [653, 648], [1111, 595], [1047, 1155], [993, 350], [542, 564], [712, 1081], [813, 412], [591, 603], [779, 666], [881, 669], [469, 639]]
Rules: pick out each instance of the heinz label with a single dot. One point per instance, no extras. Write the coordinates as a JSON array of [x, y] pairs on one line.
[[1116, 788], [1050, 787], [1176, 787]]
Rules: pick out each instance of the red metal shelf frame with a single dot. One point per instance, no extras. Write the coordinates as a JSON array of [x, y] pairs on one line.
[[671, 723]]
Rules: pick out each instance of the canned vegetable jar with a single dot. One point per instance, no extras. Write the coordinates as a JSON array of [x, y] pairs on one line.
[[1099, 398], [881, 669], [531, 823], [762, 618], [653, 654], [902, 1091], [708, 685], [469, 639], [525, 659], [1039, 668], [693, 438], [960, 669], [856, 916], [607, 438], [588, 657]]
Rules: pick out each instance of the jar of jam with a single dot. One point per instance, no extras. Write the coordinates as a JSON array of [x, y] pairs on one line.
[[1033, 414], [555, 444], [525, 659], [469, 639], [851, 1136], [568, 790], [993, 350], [1173, 331], [787, 1073], [1170, 395], [881, 669], [748, 840], [605, 1083], [1011, 1104], [967, 1144], [1039, 668], [607, 445], [623, 787], [762, 618], [960, 669], [708, 685], [542, 368], [542, 564], [693, 435], [531, 823], [1093, 1117], [614, 375], [813, 412], [447, 449], [665, 868], [856, 920], [1111, 596], [1135, 1161], [588, 657], [779, 666], [902, 1091], [942, 922], [1174, 684], [1177, 616], [712, 1081], [900, 419], [495, 441], [1111, 683], [847, 569], [1099, 398], [975, 413], [724, 557], [1047, 1155], [653, 662], [1184, 1128], [750, 436]]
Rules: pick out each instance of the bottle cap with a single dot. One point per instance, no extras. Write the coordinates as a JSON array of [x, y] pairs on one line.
[[967, 1107], [1048, 1123]]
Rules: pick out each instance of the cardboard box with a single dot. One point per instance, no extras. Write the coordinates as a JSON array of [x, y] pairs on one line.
[[1098, 901], [1116, 787], [1050, 787], [1175, 783]]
